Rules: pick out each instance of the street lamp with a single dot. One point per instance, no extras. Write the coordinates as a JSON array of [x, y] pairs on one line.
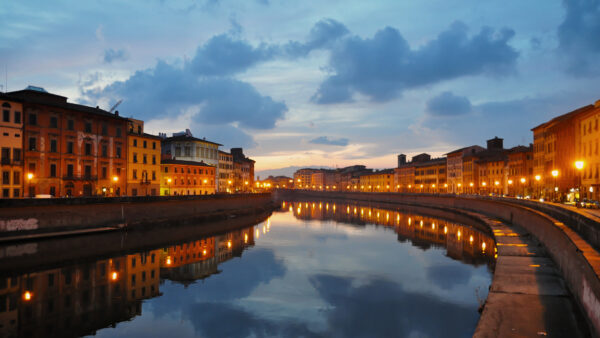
[[169, 183], [523, 180], [579, 166], [555, 174], [29, 178], [510, 182], [537, 179]]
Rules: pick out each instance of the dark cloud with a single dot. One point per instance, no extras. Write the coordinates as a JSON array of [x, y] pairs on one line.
[[448, 104], [383, 66], [381, 308], [222, 55], [229, 136], [322, 35], [112, 55], [331, 142], [579, 36]]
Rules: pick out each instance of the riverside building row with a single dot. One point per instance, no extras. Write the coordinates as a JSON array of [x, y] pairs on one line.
[[563, 162], [54, 148]]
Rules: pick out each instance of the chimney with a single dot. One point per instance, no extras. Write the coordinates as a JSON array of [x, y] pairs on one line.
[[116, 113]]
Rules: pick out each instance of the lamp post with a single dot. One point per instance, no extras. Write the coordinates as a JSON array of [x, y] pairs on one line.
[[115, 180], [510, 182], [169, 183], [579, 166], [554, 175], [537, 180], [523, 180], [471, 187], [29, 178]]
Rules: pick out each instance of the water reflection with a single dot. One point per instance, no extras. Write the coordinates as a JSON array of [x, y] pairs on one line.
[[461, 242], [304, 276], [78, 299]]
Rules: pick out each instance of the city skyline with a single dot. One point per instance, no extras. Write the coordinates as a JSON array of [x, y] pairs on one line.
[[327, 87]]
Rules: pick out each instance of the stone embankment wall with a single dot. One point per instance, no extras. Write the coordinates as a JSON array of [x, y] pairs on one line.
[[566, 247], [35, 215]]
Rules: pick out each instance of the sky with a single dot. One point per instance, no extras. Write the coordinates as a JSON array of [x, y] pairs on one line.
[[314, 83]]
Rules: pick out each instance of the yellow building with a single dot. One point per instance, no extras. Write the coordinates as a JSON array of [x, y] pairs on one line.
[[378, 181], [587, 151], [430, 176], [11, 141], [143, 161]]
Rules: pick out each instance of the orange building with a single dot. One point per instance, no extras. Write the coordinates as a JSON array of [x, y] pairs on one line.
[[588, 138], [377, 181], [143, 161], [186, 178], [71, 149], [520, 166], [11, 141]]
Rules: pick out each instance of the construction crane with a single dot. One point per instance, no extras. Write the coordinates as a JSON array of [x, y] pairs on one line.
[[115, 106]]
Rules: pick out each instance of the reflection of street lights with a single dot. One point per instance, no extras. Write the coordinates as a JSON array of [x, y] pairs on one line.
[[555, 174], [579, 166], [29, 178]]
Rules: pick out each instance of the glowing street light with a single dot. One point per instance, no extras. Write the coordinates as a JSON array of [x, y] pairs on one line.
[[555, 175], [579, 165], [29, 178]]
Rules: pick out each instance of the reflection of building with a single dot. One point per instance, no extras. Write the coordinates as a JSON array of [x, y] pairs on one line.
[[142, 271], [11, 139], [462, 243], [186, 178], [74, 300], [143, 161], [70, 149]]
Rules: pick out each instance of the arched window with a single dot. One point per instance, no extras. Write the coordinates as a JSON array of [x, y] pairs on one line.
[[5, 105]]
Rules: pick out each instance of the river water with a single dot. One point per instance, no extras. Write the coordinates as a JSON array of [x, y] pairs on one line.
[[312, 269]]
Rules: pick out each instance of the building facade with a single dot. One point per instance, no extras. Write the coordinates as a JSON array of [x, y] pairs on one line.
[[225, 172], [11, 141], [143, 161], [186, 178], [243, 171], [71, 149], [454, 169], [377, 181]]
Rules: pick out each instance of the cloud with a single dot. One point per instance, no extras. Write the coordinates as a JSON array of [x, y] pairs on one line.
[[332, 142], [322, 35], [112, 55], [384, 66], [222, 55], [448, 104], [578, 36]]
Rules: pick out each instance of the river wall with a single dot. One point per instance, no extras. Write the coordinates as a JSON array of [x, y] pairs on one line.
[[565, 246], [47, 215]]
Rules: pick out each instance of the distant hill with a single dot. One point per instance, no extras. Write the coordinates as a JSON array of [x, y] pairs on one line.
[[287, 171]]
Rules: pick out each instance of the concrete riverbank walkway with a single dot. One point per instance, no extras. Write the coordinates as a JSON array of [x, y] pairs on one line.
[[528, 296]]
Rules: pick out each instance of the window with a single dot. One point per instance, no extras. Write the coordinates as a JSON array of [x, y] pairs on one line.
[[32, 168], [53, 122], [6, 116], [5, 155], [5, 194], [134, 173], [32, 119], [133, 262], [153, 145], [166, 169], [32, 143], [88, 127], [6, 177], [145, 159], [153, 159], [16, 154], [70, 124], [17, 117], [118, 131], [52, 170], [135, 142], [16, 177], [177, 151], [52, 191], [88, 148], [145, 144], [188, 151], [104, 150], [134, 157], [154, 175], [104, 129], [16, 193], [69, 147], [104, 172], [88, 171], [53, 146], [175, 170], [118, 152]]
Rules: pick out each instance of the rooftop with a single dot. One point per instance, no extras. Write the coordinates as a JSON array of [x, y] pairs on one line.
[[200, 164], [184, 138]]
